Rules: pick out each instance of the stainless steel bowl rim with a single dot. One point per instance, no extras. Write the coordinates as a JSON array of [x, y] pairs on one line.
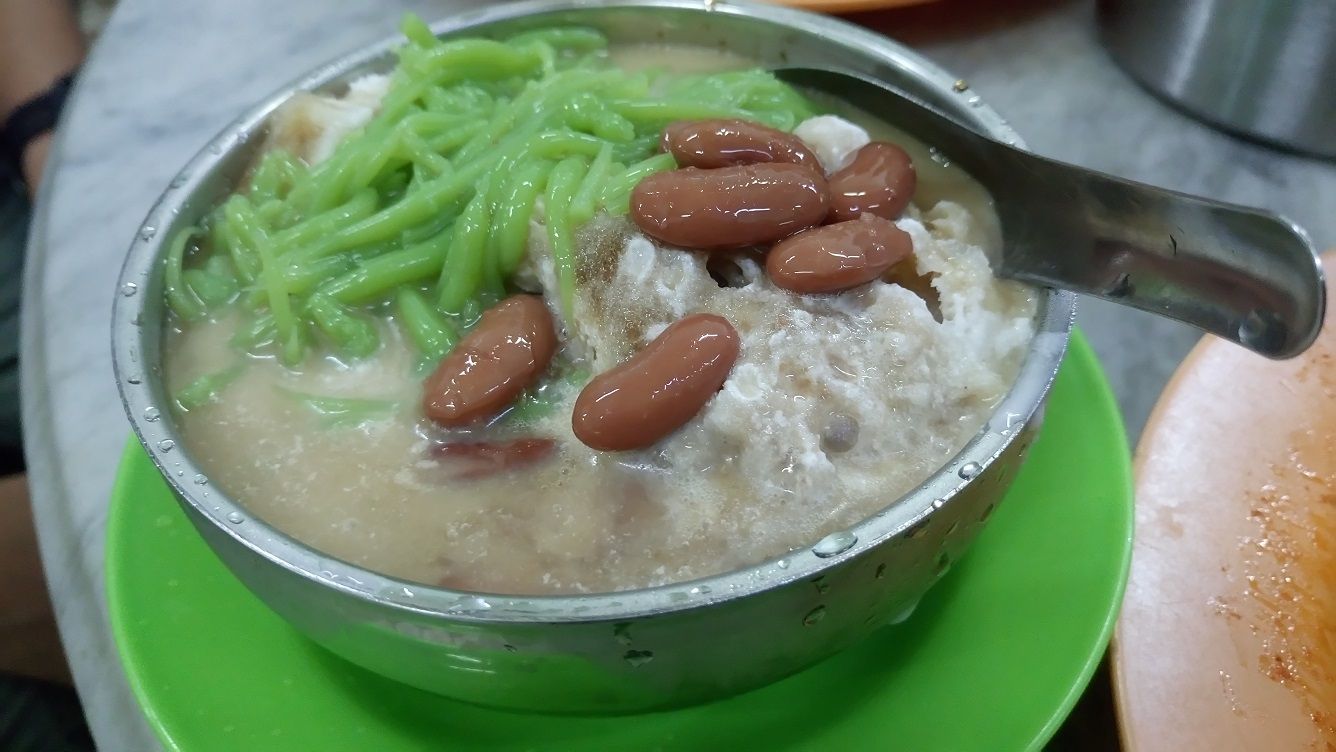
[[153, 426]]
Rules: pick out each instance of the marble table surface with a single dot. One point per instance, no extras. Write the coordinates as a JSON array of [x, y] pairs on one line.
[[165, 76]]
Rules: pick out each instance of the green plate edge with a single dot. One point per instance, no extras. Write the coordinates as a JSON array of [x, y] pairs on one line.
[[142, 503]]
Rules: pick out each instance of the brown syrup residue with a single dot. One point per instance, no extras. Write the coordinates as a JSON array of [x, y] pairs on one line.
[[906, 275], [1289, 594]]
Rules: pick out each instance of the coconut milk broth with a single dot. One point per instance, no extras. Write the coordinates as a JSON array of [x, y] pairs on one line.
[[367, 490]]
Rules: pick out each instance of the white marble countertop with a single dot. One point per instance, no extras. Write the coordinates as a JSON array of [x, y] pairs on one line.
[[166, 76]]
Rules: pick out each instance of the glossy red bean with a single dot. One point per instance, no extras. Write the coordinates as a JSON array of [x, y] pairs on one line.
[[658, 389], [724, 143], [880, 180], [839, 256], [502, 356], [731, 207]]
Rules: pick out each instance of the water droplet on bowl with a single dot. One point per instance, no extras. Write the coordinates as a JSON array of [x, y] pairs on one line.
[[200, 480], [474, 603], [129, 289], [782, 563], [918, 528], [235, 518], [177, 181], [834, 544], [969, 470], [904, 614], [638, 658], [814, 616], [943, 563], [960, 85], [147, 232], [821, 585], [938, 503], [166, 445], [622, 633], [151, 414], [975, 100], [406, 592], [133, 380], [700, 590]]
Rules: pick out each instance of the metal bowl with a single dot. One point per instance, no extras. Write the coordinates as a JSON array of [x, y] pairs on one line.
[[1264, 68], [614, 652]]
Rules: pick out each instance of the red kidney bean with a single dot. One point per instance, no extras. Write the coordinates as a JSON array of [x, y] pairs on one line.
[[731, 207], [724, 143], [473, 460], [839, 256], [658, 389], [879, 181], [504, 354]]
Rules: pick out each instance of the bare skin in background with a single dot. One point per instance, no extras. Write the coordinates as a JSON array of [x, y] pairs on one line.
[[39, 43], [29, 643]]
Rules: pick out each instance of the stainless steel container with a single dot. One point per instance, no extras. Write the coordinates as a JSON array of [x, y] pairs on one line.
[[1264, 68], [614, 652]]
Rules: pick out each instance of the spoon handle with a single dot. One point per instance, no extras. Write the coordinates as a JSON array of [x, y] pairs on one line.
[[1243, 274]]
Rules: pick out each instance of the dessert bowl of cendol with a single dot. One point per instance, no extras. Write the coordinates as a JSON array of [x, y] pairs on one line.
[[559, 356]]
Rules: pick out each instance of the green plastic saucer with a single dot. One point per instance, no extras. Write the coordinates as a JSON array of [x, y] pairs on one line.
[[993, 659]]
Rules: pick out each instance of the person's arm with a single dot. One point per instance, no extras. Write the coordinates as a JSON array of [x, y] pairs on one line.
[[39, 43]]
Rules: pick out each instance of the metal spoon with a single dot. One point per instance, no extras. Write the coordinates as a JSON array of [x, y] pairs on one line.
[[1244, 274]]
